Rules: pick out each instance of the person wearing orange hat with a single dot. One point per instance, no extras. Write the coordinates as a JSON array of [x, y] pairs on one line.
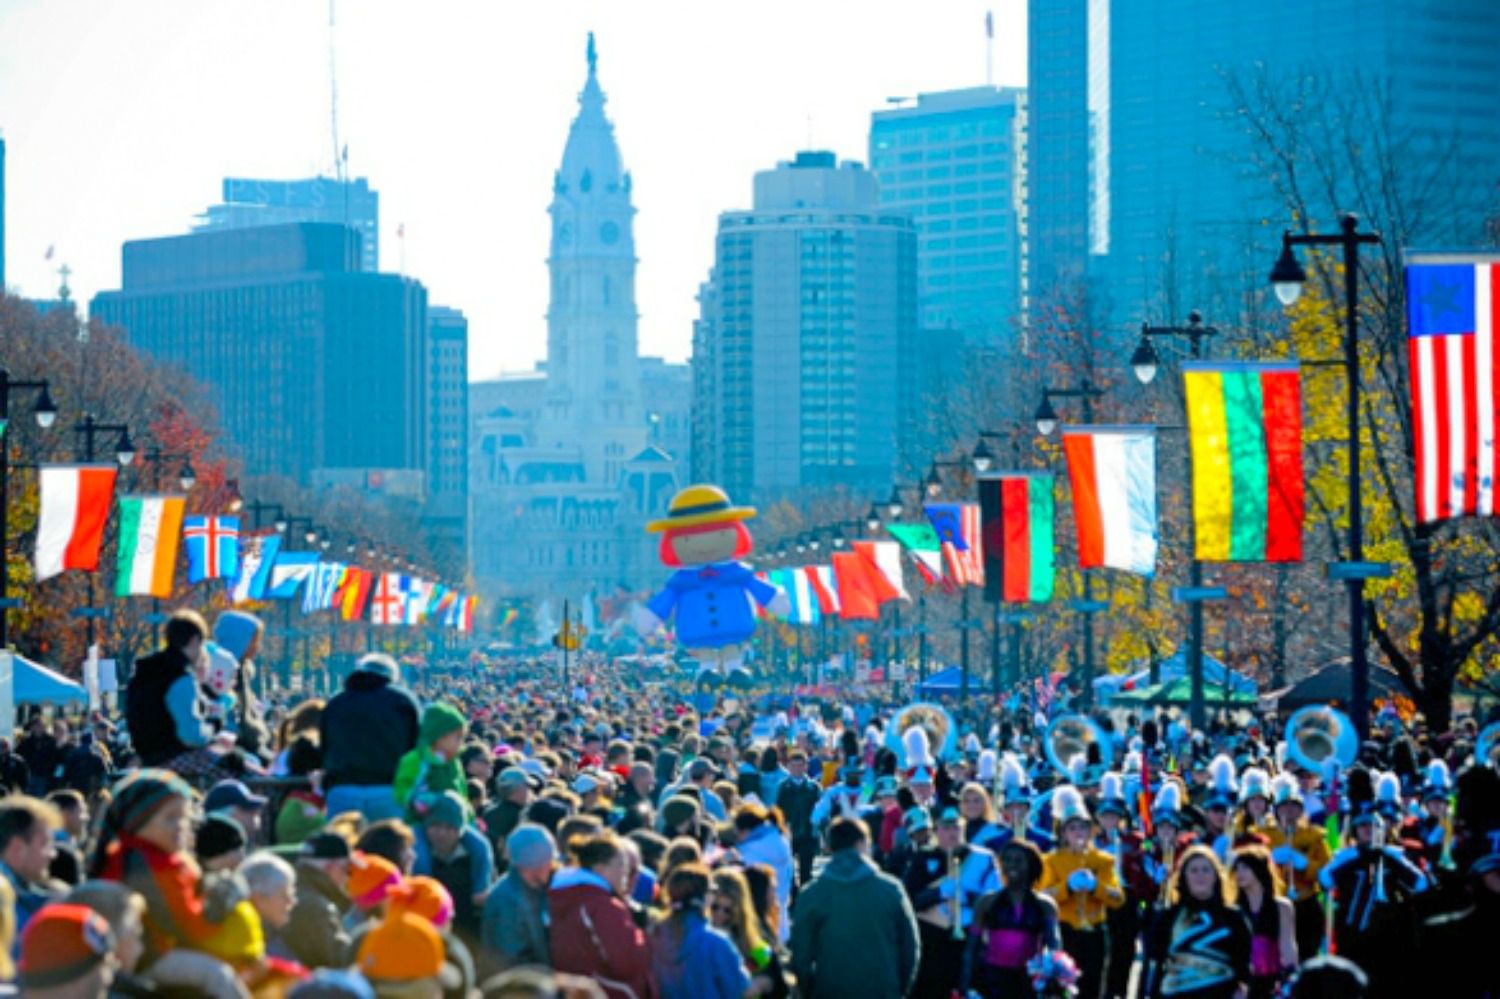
[[371, 880], [713, 595], [67, 952], [404, 955]]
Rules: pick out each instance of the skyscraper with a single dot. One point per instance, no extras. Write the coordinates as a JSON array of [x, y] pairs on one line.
[[955, 161], [446, 513], [1135, 99], [807, 328], [248, 203], [2, 215], [317, 369], [566, 463]]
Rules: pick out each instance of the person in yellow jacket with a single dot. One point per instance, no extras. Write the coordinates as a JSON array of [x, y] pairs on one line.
[[1084, 882], [1299, 850]]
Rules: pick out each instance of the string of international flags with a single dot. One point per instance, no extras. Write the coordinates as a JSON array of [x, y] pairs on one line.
[[1244, 428], [75, 506]]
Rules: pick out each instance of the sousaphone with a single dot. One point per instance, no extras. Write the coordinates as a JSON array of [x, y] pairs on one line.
[[1319, 732], [942, 731], [1071, 735]]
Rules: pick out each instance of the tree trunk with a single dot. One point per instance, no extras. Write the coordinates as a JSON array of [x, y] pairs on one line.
[[1438, 672]]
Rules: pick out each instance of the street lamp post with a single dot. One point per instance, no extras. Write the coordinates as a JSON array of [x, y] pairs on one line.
[[1046, 423], [88, 429], [310, 536], [46, 414], [1287, 279], [1144, 362]]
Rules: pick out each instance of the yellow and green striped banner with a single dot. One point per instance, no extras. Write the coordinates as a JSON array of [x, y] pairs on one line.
[[1245, 431]]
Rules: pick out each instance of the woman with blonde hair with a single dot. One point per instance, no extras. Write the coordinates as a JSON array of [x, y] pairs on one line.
[[981, 825], [1261, 896], [732, 910], [1200, 944]]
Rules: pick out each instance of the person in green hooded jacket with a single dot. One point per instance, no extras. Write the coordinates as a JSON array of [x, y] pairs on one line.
[[432, 767]]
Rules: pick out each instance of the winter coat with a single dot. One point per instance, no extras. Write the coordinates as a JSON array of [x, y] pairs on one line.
[[423, 772], [170, 884], [692, 960], [854, 933], [162, 708], [365, 730], [593, 935], [315, 933], [766, 845], [515, 924]]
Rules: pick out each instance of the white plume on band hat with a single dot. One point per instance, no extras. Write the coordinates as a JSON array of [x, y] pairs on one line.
[[918, 748], [1255, 784], [987, 767], [1013, 780], [1284, 790], [1068, 806]]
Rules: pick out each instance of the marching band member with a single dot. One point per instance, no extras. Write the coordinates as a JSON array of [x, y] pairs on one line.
[[944, 882], [1199, 945], [1010, 928], [1170, 838], [980, 825], [1254, 813], [1260, 895], [1372, 883], [1083, 881], [1432, 826], [1217, 805], [1117, 838], [1017, 798], [1300, 851]]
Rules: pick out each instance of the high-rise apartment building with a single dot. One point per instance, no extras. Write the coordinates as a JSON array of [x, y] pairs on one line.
[[808, 320], [317, 369], [956, 163], [1144, 175], [249, 203]]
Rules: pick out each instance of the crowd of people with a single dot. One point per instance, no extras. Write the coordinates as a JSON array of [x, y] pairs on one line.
[[486, 830]]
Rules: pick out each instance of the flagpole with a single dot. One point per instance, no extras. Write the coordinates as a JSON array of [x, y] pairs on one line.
[[989, 48]]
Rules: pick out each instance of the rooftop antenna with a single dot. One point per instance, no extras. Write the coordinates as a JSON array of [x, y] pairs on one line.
[[989, 48], [340, 154]]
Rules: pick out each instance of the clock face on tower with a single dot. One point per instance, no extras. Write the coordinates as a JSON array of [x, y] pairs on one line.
[[609, 233]]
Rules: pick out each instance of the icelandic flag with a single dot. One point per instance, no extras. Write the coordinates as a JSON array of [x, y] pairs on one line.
[[288, 573], [257, 557], [213, 547]]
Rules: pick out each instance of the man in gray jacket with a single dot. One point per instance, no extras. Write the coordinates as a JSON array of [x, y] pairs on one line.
[[515, 914], [853, 930]]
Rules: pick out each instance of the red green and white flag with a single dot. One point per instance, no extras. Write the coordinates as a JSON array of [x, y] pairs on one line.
[[1245, 431], [75, 505], [922, 544], [1021, 525], [150, 527], [1112, 471]]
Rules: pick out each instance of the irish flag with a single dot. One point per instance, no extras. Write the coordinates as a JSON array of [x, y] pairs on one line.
[[149, 529], [1245, 429], [1026, 510], [75, 505], [1113, 474]]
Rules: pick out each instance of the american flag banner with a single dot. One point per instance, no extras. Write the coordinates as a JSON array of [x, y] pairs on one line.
[[1451, 310], [213, 547], [958, 530]]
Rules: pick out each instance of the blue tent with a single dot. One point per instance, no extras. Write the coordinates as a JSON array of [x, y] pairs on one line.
[[33, 684], [946, 681]]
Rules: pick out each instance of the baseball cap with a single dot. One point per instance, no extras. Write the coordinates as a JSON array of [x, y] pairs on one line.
[[917, 819], [380, 664], [231, 794], [511, 778], [950, 817], [326, 846], [61, 944], [586, 784]]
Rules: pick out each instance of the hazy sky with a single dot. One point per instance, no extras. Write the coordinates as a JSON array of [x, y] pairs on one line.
[[122, 116]]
